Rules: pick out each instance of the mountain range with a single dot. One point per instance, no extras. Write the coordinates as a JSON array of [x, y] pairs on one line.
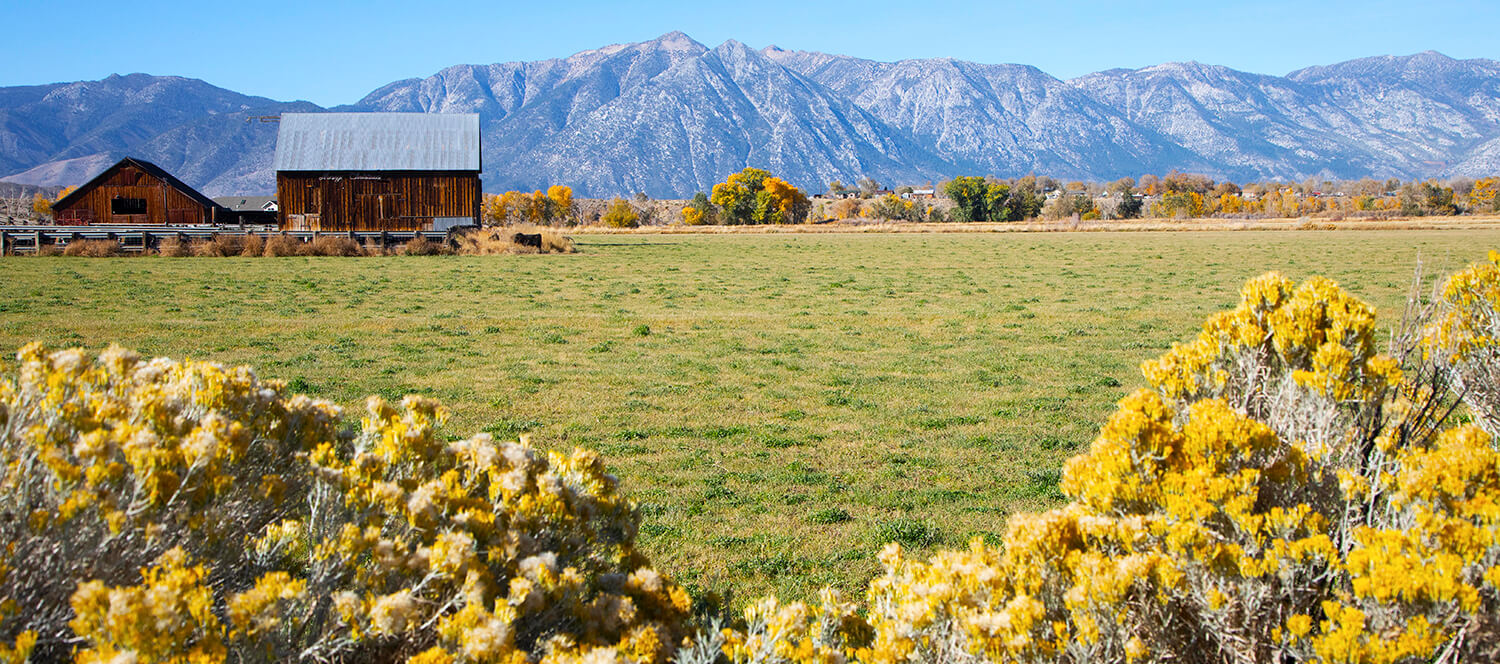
[[670, 116]]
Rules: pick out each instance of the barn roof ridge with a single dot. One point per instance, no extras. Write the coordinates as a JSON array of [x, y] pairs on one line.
[[378, 142]]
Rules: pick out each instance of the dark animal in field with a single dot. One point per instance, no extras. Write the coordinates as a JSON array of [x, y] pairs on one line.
[[527, 239]]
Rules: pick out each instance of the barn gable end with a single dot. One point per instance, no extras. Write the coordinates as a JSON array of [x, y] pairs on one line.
[[134, 192]]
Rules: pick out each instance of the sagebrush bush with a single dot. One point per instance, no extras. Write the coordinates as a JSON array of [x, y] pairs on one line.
[[1283, 492]]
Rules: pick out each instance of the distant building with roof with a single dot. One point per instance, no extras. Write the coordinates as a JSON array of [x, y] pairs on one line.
[[377, 171], [135, 191], [249, 209]]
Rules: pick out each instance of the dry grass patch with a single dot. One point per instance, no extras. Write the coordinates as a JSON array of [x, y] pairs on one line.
[[328, 245], [514, 240], [421, 246], [220, 246], [254, 245], [174, 247], [282, 246], [93, 249]]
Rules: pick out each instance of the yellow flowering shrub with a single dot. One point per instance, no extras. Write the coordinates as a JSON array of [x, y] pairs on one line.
[[1464, 339], [1283, 492], [166, 511], [169, 617]]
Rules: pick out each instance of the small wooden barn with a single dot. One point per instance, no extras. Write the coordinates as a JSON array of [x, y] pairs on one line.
[[378, 171], [135, 192]]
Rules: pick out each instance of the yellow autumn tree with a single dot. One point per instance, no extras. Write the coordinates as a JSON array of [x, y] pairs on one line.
[[1485, 196], [41, 206], [621, 214], [1231, 203], [754, 196], [509, 207], [560, 204], [538, 207], [790, 204]]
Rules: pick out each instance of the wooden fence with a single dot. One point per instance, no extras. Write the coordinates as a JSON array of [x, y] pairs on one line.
[[31, 239]]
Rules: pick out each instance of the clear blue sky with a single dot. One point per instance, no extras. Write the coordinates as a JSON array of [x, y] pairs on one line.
[[336, 52]]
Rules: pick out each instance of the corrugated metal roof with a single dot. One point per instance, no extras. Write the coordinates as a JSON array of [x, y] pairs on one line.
[[378, 142]]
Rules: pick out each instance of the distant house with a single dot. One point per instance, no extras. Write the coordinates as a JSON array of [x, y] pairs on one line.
[[135, 192], [919, 194], [377, 171], [249, 209]]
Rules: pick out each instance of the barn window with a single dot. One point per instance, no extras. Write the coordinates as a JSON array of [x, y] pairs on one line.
[[119, 205]]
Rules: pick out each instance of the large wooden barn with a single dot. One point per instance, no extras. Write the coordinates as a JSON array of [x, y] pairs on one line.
[[377, 171], [135, 192]]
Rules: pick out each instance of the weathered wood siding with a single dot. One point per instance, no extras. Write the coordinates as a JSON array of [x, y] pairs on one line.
[[374, 201], [164, 203]]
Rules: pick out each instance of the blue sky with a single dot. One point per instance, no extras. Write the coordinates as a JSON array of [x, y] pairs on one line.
[[336, 52]]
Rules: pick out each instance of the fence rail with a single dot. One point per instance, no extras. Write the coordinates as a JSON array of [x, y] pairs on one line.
[[31, 239]]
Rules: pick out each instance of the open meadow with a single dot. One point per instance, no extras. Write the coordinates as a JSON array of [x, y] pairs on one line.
[[779, 405]]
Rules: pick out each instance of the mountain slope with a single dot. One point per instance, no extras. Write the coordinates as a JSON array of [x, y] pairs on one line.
[[51, 123], [1427, 110], [670, 116], [1411, 117], [1001, 119], [666, 117]]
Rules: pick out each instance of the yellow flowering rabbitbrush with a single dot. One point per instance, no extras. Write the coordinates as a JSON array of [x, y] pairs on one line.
[[1463, 339], [192, 512], [1282, 492]]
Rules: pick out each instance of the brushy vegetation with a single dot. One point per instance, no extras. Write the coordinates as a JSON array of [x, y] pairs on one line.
[[93, 249], [203, 482], [737, 384], [1283, 490], [490, 241], [480, 242]]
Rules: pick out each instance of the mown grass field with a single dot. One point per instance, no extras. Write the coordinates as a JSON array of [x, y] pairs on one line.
[[780, 406]]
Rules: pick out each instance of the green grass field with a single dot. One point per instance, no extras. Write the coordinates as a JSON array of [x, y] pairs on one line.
[[779, 405]]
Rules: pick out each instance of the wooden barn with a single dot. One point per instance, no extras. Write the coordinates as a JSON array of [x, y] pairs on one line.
[[135, 192], [377, 171]]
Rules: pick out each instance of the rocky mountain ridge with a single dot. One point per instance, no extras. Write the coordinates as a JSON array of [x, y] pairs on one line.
[[671, 116]]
